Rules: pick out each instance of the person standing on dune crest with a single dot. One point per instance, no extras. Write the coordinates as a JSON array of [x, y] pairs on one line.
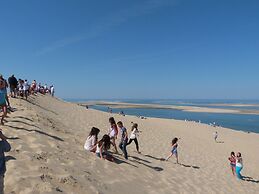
[[3, 99]]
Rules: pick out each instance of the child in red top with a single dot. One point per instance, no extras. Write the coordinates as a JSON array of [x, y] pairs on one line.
[[232, 160]]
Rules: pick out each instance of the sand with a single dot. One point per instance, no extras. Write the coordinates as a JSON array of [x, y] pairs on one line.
[[122, 105], [47, 137]]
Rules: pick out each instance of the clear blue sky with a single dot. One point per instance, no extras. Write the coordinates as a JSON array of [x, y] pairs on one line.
[[135, 48]]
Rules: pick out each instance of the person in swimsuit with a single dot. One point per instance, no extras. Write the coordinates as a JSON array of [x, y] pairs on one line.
[[113, 132], [232, 160], [239, 166], [174, 150]]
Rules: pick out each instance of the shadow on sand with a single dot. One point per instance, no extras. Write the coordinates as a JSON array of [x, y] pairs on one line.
[[119, 161], [12, 138], [8, 158], [21, 117], [37, 131], [17, 121], [35, 104], [250, 179], [155, 158], [143, 162], [189, 166]]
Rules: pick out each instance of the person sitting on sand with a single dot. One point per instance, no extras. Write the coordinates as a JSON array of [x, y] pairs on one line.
[[113, 132], [124, 139], [102, 148], [133, 136], [3, 100], [239, 165], [174, 150], [4, 147], [232, 160], [91, 141]]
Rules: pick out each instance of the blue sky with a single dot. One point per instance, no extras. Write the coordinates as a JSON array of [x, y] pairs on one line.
[[134, 49]]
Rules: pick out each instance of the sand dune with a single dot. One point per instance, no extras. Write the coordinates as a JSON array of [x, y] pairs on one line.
[[47, 137]]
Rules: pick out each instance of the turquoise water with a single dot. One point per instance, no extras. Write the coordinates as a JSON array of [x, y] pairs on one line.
[[234, 121]]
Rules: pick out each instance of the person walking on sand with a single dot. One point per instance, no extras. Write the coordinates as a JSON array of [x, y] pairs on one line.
[[215, 135], [133, 136], [52, 91], [3, 100], [239, 166], [124, 139], [232, 160], [91, 141], [174, 150], [113, 132], [4, 147]]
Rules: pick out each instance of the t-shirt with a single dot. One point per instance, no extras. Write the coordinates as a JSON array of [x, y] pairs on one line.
[[123, 131], [90, 143], [26, 86], [134, 133], [232, 160], [52, 89]]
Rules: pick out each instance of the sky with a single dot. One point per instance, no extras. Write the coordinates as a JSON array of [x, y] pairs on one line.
[[135, 49]]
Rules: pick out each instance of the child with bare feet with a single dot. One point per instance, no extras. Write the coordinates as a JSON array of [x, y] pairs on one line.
[[174, 150]]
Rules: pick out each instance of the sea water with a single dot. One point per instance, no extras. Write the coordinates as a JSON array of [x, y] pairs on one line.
[[244, 122]]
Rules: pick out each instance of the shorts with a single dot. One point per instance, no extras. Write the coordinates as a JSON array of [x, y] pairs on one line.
[[12, 89], [174, 151], [2, 99]]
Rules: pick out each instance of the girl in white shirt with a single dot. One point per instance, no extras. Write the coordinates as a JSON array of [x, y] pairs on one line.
[[91, 141], [113, 132], [133, 136]]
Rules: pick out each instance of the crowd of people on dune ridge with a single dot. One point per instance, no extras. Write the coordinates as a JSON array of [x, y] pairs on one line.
[[20, 88]]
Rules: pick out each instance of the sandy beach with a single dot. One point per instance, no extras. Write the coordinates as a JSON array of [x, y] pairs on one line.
[[195, 108], [47, 137]]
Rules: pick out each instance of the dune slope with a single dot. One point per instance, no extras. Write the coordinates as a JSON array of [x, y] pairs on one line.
[[47, 137]]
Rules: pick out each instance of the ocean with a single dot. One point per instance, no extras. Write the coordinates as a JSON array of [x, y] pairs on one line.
[[242, 122]]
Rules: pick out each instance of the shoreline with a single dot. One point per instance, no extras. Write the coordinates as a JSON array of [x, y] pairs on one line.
[[121, 105]]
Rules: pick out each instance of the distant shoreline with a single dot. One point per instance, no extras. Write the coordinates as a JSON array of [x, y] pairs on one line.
[[199, 109]]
